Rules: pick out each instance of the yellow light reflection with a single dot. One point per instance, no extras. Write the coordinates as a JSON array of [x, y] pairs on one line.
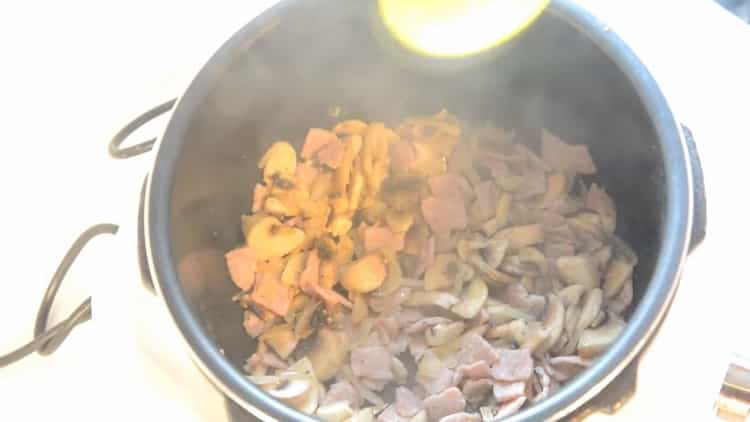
[[456, 28]]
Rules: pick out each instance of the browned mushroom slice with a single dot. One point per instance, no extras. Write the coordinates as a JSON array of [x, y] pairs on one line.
[[590, 307], [602, 257], [488, 272], [282, 340], [617, 273], [553, 322], [472, 299], [433, 298], [520, 236], [578, 269], [329, 353], [442, 273], [443, 333], [594, 341], [570, 295], [502, 313]]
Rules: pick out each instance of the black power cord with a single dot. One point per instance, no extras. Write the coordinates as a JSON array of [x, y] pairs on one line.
[[46, 341]]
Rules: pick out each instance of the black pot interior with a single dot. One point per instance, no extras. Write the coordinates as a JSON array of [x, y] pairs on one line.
[[286, 77]]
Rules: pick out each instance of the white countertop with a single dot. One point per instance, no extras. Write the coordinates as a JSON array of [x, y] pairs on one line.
[[73, 72]]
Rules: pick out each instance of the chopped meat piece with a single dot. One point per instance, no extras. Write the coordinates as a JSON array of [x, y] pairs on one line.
[[476, 370], [343, 391], [475, 390], [309, 280], [442, 381], [507, 391], [486, 199], [445, 403], [315, 140], [254, 325], [389, 414], [462, 417], [510, 408], [450, 186], [332, 154], [259, 197], [272, 295], [513, 365], [379, 238], [305, 174], [372, 362], [373, 384], [563, 157], [444, 215], [403, 155], [475, 348], [242, 265], [407, 403]]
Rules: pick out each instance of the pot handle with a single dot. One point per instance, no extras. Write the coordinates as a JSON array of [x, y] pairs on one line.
[[699, 192], [121, 153]]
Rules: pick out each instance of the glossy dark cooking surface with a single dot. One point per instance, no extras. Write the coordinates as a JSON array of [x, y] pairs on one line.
[[278, 77]]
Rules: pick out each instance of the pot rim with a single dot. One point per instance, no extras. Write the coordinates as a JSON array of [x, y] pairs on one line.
[[641, 326]]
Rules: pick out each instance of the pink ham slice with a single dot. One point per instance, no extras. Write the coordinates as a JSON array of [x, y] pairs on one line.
[[407, 403], [471, 371], [332, 154], [343, 391], [315, 140], [450, 186], [475, 390], [306, 174], [403, 156], [255, 326], [445, 403], [379, 238], [513, 365], [558, 155], [389, 414], [372, 362], [507, 391], [444, 215], [259, 197], [241, 263], [462, 417], [475, 348]]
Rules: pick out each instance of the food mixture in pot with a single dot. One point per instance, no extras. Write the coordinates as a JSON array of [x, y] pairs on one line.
[[429, 272]]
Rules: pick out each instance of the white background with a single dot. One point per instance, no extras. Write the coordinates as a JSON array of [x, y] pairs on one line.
[[71, 73]]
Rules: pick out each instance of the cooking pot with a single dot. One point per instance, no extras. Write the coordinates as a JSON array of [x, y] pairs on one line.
[[307, 64]]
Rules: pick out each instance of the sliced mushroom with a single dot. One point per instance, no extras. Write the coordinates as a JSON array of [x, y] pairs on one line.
[[363, 415], [570, 295], [282, 340], [329, 353], [617, 273], [594, 341], [420, 417], [433, 298], [442, 273], [590, 307], [502, 313], [495, 251], [365, 274], [472, 299], [520, 236], [443, 333], [303, 325], [308, 402], [489, 273], [271, 239], [400, 373], [602, 257], [534, 335], [279, 159], [291, 389], [600, 317], [502, 211], [515, 266], [557, 186], [360, 310], [335, 412], [553, 322], [578, 269]]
